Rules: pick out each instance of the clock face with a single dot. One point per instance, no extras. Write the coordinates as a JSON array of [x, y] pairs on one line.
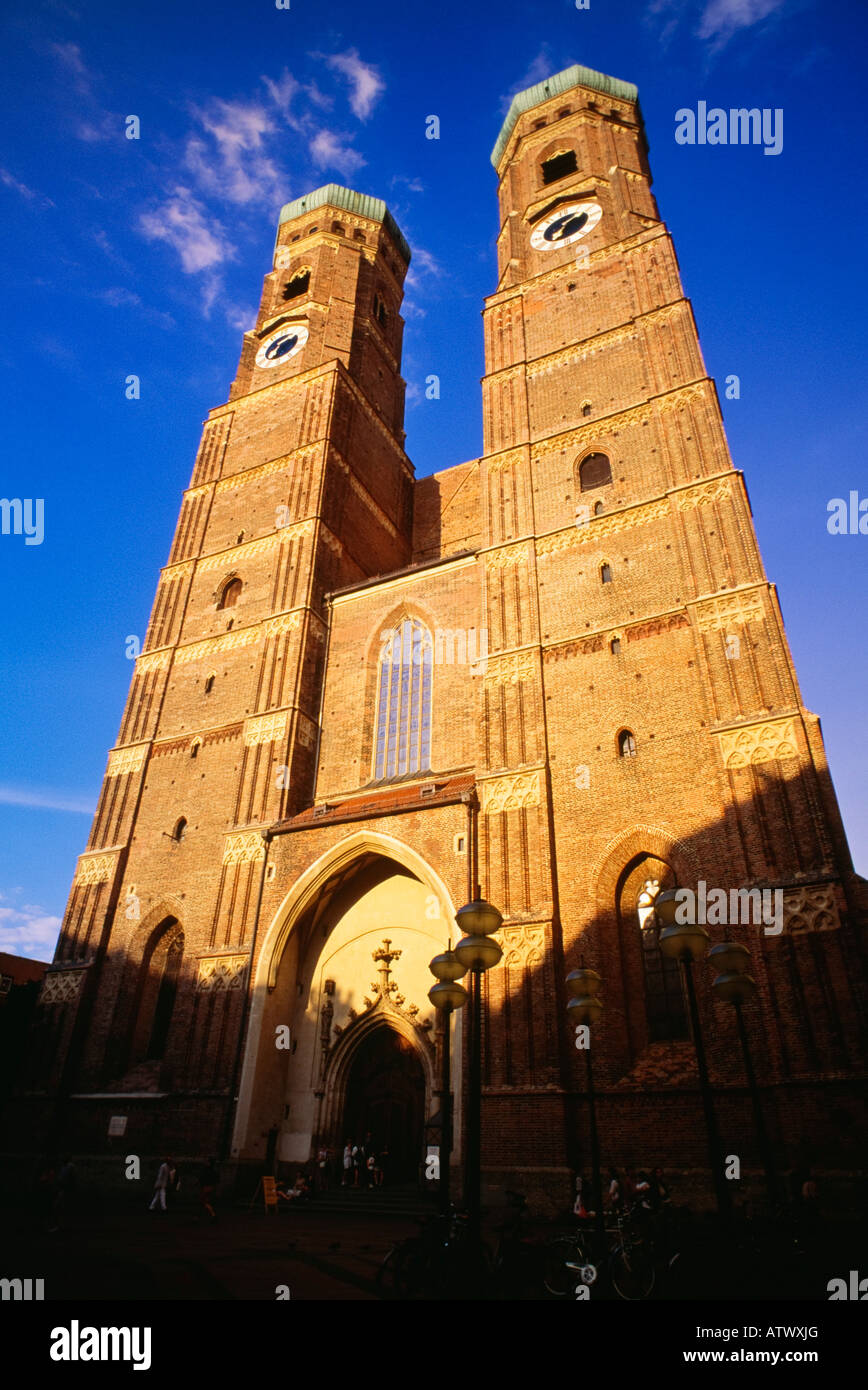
[[566, 225], [282, 345]]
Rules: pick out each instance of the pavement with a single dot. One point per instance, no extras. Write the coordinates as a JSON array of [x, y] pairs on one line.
[[119, 1251]]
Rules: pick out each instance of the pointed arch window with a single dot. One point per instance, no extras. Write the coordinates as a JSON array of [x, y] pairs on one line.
[[404, 679], [664, 999], [557, 166], [230, 594], [298, 285], [626, 744], [594, 471]]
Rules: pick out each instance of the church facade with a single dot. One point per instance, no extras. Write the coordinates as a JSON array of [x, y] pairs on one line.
[[563, 657]]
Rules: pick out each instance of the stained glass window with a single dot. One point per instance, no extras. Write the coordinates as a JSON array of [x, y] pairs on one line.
[[403, 741]]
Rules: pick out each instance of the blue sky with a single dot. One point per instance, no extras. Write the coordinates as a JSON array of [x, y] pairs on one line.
[[146, 256]]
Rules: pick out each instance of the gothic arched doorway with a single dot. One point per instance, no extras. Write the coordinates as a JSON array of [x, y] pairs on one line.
[[385, 1098]]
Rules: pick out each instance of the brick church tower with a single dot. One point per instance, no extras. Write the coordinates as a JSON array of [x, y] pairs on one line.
[[564, 654]]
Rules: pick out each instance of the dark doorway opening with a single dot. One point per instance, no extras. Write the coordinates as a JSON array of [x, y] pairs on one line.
[[385, 1099]]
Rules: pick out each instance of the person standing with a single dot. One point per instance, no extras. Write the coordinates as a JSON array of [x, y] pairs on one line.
[[208, 1182], [348, 1163], [174, 1185], [160, 1186]]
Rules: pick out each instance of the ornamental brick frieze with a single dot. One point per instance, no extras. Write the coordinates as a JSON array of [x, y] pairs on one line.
[[95, 868], [61, 987], [227, 642], [599, 641], [600, 341], [153, 661], [219, 974], [507, 558], [522, 941], [266, 728], [181, 569], [811, 908], [596, 528], [730, 610], [618, 250], [499, 463], [123, 760], [304, 456], [676, 400], [515, 792], [511, 669], [553, 360], [239, 554], [704, 496], [241, 637], [284, 622], [758, 743], [580, 646], [655, 626], [244, 847], [641, 414]]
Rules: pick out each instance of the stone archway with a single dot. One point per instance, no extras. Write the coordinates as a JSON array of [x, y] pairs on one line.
[[313, 975]]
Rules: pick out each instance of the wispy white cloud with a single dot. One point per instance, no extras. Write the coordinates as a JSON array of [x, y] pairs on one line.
[[329, 150], [713, 21], [183, 223], [29, 931], [230, 159], [412, 185], [21, 188], [282, 92], [365, 83], [45, 800], [69, 55], [99, 129], [721, 19], [119, 298]]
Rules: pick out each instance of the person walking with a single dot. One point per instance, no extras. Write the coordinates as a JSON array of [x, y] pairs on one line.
[[159, 1199], [209, 1179], [174, 1185]]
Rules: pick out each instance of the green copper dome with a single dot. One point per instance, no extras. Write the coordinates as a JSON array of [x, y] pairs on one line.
[[345, 198], [575, 76]]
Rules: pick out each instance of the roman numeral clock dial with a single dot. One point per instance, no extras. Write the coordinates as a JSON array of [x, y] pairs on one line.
[[281, 346], [565, 226]]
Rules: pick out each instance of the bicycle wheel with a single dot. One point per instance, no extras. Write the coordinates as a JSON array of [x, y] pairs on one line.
[[631, 1270], [558, 1279]]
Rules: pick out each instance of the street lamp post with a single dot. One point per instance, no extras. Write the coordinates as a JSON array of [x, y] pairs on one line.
[[446, 996], [477, 952], [687, 942], [584, 1008], [735, 986]]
